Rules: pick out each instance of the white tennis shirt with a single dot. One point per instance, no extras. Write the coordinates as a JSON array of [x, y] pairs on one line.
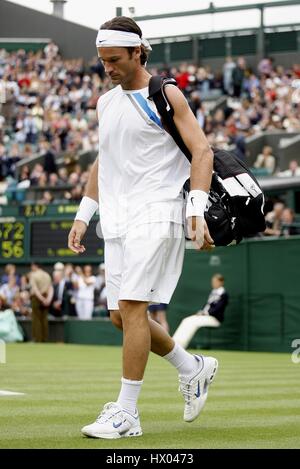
[[141, 170]]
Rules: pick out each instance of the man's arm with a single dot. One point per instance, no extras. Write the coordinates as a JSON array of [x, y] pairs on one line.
[[201, 166], [87, 208], [49, 296], [35, 290], [91, 189]]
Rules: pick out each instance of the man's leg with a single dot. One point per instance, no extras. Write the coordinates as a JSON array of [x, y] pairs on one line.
[[195, 372], [163, 345], [136, 338], [36, 320], [44, 324], [121, 418]]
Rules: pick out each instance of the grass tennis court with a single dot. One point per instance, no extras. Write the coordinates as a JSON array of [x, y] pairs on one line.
[[253, 403]]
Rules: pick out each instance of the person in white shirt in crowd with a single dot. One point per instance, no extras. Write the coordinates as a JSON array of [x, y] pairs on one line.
[[100, 287], [228, 68], [10, 289], [266, 160], [274, 220], [294, 170], [212, 315], [85, 285]]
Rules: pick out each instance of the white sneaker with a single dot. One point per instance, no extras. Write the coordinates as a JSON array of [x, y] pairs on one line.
[[114, 422], [194, 388]]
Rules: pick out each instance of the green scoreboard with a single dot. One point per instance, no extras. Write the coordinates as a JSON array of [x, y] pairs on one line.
[[40, 233]]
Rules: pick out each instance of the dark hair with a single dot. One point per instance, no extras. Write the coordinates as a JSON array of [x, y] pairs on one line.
[[123, 23], [219, 277]]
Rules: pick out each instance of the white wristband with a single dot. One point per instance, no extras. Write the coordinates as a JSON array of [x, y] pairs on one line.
[[86, 210], [196, 203]]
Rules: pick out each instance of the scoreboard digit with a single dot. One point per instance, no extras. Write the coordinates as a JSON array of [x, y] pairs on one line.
[[12, 240]]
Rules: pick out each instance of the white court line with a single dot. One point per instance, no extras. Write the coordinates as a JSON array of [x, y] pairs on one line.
[[11, 393]]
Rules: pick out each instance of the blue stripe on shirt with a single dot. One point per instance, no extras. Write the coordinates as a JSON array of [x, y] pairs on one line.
[[144, 105]]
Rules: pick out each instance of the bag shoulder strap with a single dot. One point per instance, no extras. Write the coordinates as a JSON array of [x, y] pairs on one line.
[[157, 85]]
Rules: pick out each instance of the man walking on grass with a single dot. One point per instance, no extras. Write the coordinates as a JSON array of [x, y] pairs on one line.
[[137, 181]]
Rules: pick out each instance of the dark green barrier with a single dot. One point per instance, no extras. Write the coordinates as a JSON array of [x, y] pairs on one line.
[[262, 280], [92, 332]]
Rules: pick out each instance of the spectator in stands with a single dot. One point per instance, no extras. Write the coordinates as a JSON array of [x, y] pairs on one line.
[[100, 278], [2, 121], [71, 278], [85, 285], [182, 77], [289, 227], [294, 170], [63, 175], [8, 160], [3, 162], [211, 315], [100, 289], [274, 220], [22, 304], [266, 160], [51, 50], [56, 307], [36, 174], [240, 146], [41, 296], [238, 75], [9, 329], [202, 82], [228, 68], [10, 289], [198, 108], [47, 198], [79, 123], [48, 155], [265, 66], [10, 271]]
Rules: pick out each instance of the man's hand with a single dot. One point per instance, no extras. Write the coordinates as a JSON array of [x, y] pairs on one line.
[[75, 236], [46, 302], [199, 234]]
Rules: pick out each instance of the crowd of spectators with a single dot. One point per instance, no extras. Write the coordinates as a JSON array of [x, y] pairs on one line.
[[259, 100], [77, 291], [281, 221], [48, 109]]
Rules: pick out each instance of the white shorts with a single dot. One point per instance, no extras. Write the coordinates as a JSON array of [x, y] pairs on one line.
[[145, 264]]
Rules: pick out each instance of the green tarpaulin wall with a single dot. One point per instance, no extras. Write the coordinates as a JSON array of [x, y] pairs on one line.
[[263, 282]]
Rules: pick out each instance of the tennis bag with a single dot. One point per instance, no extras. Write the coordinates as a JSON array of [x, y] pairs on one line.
[[236, 201]]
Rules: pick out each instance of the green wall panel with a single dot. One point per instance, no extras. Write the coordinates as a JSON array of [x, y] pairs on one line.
[[157, 54], [281, 42], [212, 47], [243, 45], [181, 50]]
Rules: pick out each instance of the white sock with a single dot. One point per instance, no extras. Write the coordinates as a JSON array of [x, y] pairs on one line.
[[129, 394], [184, 361]]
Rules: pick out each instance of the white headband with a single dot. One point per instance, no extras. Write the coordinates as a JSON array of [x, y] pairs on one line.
[[112, 38]]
